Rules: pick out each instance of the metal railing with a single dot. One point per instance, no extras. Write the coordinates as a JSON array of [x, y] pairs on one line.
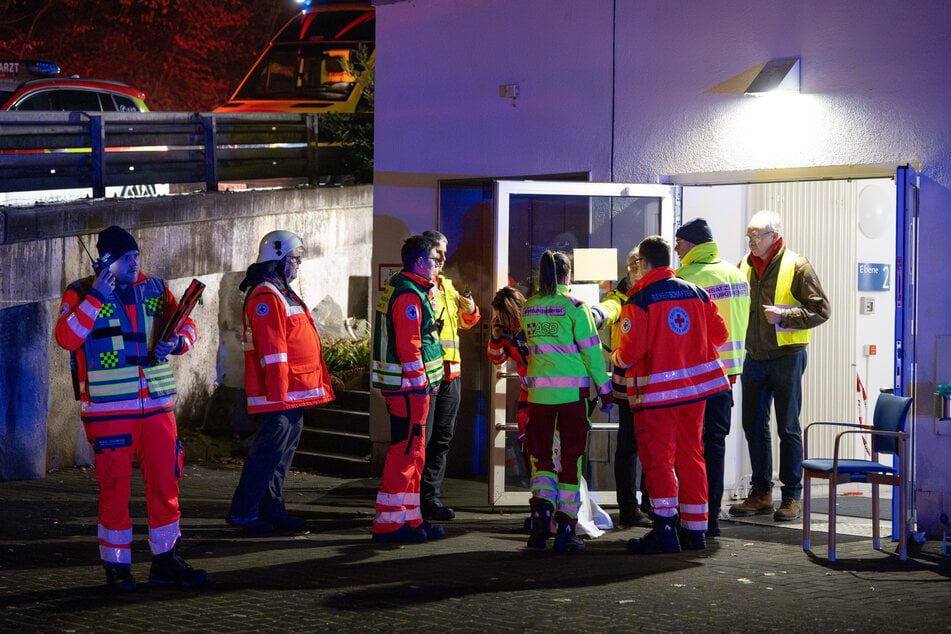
[[63, 150]]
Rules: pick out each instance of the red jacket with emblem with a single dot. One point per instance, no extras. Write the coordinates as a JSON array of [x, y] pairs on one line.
[[670, 332], [283, 363]]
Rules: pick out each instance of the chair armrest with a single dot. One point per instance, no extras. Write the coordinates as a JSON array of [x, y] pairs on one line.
[[901, 435], [805, 433]]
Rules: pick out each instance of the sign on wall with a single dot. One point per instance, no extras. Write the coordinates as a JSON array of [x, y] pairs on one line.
[[874, 276]]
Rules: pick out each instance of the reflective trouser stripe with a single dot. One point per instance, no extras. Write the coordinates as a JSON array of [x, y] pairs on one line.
[[664, 507], [163, 538], [694, 516], [569, 499], [115, 545], [544, 487]]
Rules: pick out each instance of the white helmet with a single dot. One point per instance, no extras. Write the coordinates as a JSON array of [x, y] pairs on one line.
[[278, 244]]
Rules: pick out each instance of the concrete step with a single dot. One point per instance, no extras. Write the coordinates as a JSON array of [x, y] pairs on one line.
[[353, 444], [333, 418], [331, 464], [357, 400]]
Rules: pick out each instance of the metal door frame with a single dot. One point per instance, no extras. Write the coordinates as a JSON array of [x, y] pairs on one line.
[[504, 189]]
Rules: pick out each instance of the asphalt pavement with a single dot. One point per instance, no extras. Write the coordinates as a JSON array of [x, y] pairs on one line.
[[479, 578]]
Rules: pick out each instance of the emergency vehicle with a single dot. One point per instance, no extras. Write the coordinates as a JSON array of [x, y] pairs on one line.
[[30, 85], [318, 62]]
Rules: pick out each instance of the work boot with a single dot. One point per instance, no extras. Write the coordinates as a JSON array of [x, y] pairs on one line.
[[432, 532], [713, 526], [438, 512], [566, 540], [119, 577], [754, 504], [660, 539], [788, 510], [250, 524], [405, 534], [691, 540], [170, 569], [541, 525]]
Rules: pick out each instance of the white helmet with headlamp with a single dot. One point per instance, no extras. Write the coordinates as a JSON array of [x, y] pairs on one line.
[[277, 245]]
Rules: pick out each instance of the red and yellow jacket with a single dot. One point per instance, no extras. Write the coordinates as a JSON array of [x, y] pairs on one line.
[[111, 339], [670, 332], [283, 363]]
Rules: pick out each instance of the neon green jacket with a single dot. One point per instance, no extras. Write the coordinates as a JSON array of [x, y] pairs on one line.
[[729, 290], [564, 349]]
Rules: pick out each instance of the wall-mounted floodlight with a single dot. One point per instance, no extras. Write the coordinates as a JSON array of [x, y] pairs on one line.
[[778, 75]]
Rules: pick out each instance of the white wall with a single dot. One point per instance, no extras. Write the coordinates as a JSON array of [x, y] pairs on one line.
[[875, 90]]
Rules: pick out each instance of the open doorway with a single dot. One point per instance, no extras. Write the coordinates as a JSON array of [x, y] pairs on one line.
[[846, 228]]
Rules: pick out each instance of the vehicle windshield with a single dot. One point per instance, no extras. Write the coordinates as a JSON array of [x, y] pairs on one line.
[[325, 71]]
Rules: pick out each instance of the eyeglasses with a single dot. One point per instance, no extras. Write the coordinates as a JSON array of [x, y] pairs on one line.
[[434, 259], [296, 259], [633, 263], [756, 237]]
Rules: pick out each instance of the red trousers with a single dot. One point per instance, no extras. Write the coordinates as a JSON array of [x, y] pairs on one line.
[[671, 450], [153, 443], [562, 489], [397, 501]]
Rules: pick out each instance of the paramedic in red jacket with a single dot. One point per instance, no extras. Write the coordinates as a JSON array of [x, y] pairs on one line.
[[284, 372], [670, 332], [109, 323]]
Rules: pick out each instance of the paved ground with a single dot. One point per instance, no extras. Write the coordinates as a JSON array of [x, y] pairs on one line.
[[480, 578]]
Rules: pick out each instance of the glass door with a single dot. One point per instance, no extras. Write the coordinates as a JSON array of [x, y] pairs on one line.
[[530, 217]]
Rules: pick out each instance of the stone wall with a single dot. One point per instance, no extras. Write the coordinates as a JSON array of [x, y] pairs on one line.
[[209, 236]]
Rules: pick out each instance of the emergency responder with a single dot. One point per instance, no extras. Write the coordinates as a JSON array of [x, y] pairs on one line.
[[787, 302], [407, 368], [608, 313], [507, 342], [727, 287], [110, 323], [284, 373], [670, 332], [565, 362], [455, 311]]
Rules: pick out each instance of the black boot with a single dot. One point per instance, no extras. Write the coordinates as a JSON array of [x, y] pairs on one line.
[[541, 524], [119, 577], [691, 540], [566, 540], [660, 539], [170, 569]]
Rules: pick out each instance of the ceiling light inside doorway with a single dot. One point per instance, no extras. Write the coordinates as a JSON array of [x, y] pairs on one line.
[[778, 75]]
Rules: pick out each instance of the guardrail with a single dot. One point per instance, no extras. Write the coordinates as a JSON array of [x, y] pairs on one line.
[[60, 150]]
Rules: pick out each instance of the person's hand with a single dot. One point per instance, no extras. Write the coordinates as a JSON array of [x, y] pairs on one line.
[[774, 314], [599, 316], [164, 348], [466, 305], [607, 401], [105, 282]]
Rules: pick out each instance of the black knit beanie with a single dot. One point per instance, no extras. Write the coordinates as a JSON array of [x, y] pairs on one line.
[[696, 231], [114, 242]]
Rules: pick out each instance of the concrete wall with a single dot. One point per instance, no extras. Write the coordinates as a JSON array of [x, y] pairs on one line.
[[212, 237], [642, 91]]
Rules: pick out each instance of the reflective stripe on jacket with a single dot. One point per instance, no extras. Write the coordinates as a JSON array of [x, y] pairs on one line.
[[283, 360], [728, 288], [407, 354], [670, 332], [565, 349]]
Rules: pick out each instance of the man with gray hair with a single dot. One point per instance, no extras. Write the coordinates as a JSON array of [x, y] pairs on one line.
[[786, 303]]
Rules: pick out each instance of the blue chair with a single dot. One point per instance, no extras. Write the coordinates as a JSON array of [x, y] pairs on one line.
[[888, 436]]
